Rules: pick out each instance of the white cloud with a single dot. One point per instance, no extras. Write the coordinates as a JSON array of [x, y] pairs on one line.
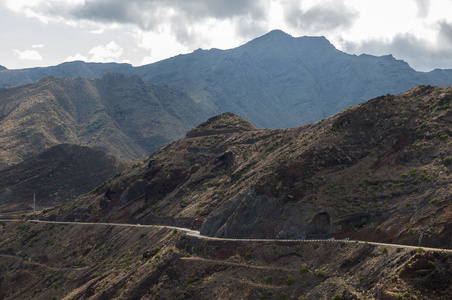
[[98, 31], [162, 28], [28, 54], [106, 53], [37, 46], [78, 56]]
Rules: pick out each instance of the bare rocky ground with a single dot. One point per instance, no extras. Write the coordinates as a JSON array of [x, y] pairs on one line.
[[379, 171], [53, 261]]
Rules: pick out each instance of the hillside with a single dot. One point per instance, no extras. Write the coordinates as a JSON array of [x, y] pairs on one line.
[[377, 171], [58, 174], [62, 261], [273, 81], [121, 115]]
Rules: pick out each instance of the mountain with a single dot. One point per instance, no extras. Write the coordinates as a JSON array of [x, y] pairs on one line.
[[58, 174], [121, 115], [278, 81], [3, 68], [378, 171], [68, 69], [274, 81]]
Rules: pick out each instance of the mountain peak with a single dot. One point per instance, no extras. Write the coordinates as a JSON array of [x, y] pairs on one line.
[[2, 68], [220, 124]]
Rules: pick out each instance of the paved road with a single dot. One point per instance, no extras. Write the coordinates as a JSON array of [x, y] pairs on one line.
[[196, 233]]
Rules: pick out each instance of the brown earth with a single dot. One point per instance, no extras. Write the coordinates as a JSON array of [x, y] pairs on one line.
[[55, 261], [56, 175], [378, 171], [118, 114]]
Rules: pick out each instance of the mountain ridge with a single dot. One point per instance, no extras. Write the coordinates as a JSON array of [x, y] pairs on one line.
[[274, 81], [378, 170], [119, 114], [56, 175]]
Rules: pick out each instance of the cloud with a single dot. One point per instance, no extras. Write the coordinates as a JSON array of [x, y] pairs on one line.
[[420, 53], [445, 33], [187, 20], [423, 8], [320, 18], [37, 46], [28, 54], [147, 14], [78, 56], [106, 53]]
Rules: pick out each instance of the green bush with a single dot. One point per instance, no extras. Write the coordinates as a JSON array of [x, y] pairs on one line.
[[337, 297], [268, 279], [304, 270], [283, 296], [447, 161], [290, 280], [431, 264], [384, 250], [378, 229]]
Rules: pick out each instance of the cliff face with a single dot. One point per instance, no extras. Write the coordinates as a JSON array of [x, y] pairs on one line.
[[376, 171]]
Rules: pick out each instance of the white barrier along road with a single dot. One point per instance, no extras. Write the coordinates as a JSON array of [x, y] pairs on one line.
[[196, 234]]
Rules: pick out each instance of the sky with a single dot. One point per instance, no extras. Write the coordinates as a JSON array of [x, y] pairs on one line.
[[38, 33]]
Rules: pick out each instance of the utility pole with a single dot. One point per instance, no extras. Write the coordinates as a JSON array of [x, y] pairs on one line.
[[34, 201]]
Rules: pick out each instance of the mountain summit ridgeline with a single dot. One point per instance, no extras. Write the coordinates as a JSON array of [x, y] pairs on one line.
[[273, 81]]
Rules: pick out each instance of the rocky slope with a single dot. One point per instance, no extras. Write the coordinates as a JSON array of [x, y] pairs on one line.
[[121, 115], [377, 171], [55, 261], [58, 174]]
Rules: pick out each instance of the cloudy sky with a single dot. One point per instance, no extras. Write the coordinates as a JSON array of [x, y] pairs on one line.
[[47, 32]]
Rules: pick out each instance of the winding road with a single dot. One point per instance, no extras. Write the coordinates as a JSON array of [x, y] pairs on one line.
[[196, 234]]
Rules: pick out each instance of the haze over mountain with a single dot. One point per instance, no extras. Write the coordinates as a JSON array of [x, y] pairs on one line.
[[274, 81], [121, 115]]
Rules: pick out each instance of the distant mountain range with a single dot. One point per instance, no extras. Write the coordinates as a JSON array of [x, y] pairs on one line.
[[119, 114], [274, 81]]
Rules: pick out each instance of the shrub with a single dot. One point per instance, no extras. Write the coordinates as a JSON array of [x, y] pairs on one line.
[[337, 297], [420, 250], [290, 280], [378, 229], [431, 264], [268, 279], [283, 295], [384, 250], [304, 270], [447, 161]]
